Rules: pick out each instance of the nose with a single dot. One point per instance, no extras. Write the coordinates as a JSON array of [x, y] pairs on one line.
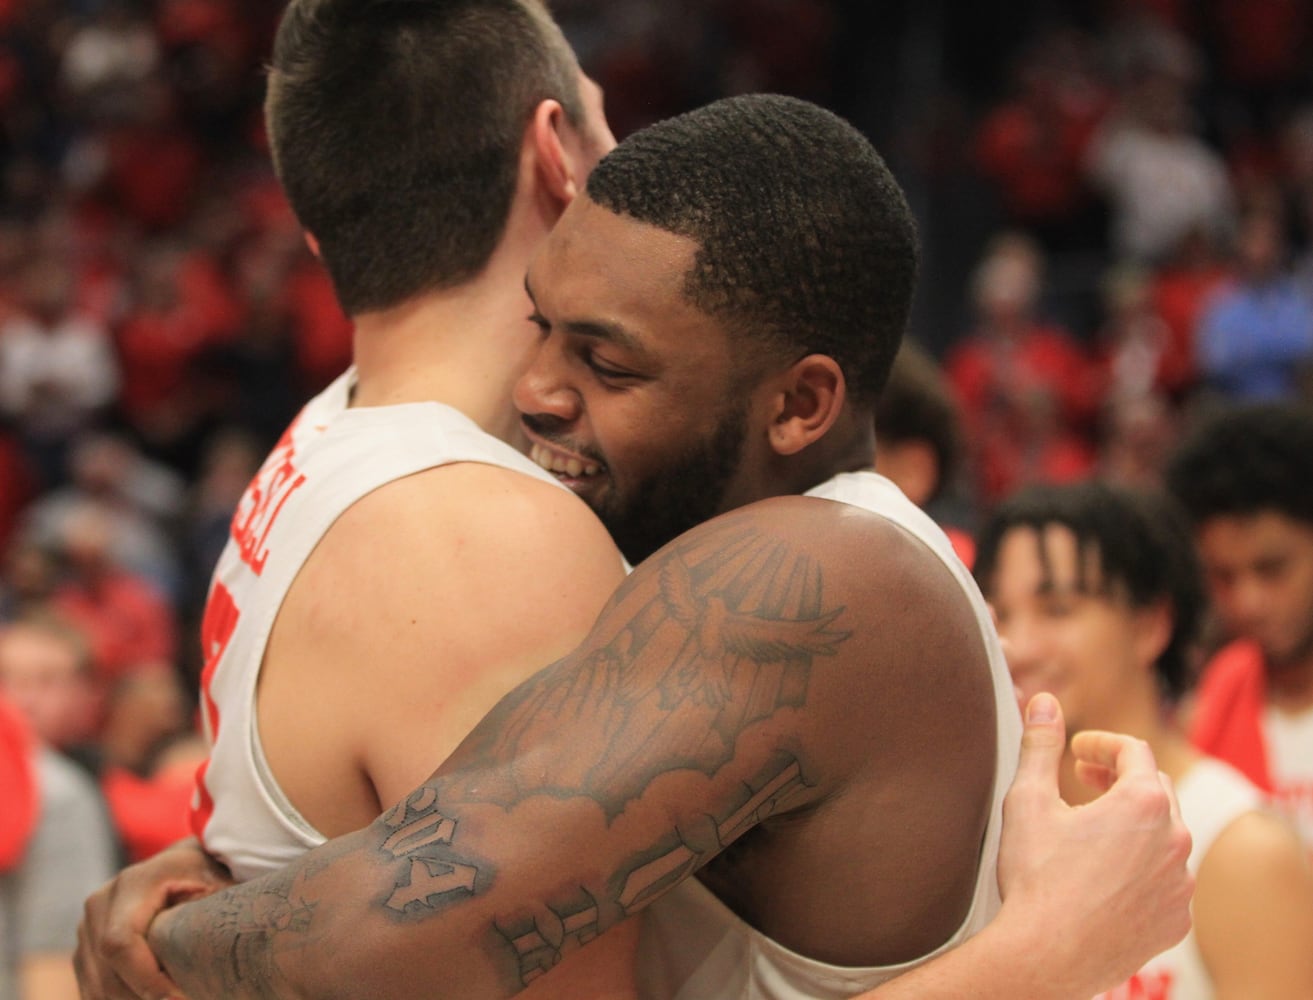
[[1247, 603], [544, 388]]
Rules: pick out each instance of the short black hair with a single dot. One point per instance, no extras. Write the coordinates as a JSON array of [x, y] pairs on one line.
[[806, 243], [396, 128], [1241, 460], [1142, 541]]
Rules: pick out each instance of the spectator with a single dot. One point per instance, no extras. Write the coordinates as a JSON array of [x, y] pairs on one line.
[[1242, 475], [57, 369], [150, 756], [46, 673], [142, 499], [126, 620], [1028, 391], [58, 850], [918, 436], [1255, 339], [1160, 178], [1033, 146], [1099, 595], [181, 307], [1181, 288]]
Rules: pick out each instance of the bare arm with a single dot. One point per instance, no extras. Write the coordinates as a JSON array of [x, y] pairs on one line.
[[695, 708], [1254, 912], [112, 958], [1090, 893], [408, 635]]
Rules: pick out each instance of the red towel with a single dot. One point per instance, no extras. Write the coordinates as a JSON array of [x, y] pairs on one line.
[[18, 793], [1228, 714]]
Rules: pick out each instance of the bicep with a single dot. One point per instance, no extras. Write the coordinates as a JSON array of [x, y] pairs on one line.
[[685, 717]]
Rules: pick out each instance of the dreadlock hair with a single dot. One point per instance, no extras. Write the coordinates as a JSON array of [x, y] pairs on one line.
[[1134, 543], [806, 243]]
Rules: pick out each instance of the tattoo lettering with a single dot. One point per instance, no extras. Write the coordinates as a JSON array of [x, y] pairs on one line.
[[422, 834], [416, 824], [431, 883]]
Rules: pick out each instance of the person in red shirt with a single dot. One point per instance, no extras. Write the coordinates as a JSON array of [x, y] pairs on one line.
[[1028, 391], [1242, 475]]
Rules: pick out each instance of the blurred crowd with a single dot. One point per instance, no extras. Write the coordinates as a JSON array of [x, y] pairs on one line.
[[1117, 210]]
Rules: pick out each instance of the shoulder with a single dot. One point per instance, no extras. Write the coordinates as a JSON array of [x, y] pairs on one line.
[[1256, 845], [467, 536], [472, 501], [1253, 906], [901, 617]]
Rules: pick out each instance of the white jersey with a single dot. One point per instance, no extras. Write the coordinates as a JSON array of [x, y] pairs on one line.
[[1212, 794], [695, 948], [1289, 740], [330, 457]]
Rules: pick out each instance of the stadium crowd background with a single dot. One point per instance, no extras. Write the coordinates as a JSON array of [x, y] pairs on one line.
[[1114, 196]]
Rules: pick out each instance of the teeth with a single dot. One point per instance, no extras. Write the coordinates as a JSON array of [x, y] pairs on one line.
[[570, 467]]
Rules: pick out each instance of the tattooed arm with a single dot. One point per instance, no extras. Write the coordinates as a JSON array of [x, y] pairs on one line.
[[711, 694]]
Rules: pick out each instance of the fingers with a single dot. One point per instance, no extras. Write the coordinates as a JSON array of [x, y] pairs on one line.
[[1042, 741], [113, 960], [1125, 756]]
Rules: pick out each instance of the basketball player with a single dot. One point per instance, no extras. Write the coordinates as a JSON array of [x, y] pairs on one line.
[[801, 702], [1099, 594]]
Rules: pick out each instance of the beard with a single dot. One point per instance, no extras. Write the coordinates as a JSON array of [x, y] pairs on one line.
[[689, 490]]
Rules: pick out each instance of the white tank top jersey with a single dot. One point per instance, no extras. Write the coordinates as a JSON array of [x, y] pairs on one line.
[[695, 948], [330, 457], [1211, 794], [1289, 740]]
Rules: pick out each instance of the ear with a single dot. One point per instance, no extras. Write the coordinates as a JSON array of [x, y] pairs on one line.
[[1153, 628], [810, 395], [556, 168]]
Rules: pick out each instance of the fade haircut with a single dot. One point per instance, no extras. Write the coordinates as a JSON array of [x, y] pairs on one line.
[[805, 241], [396, 128], [1245, 460], [1130, 544]]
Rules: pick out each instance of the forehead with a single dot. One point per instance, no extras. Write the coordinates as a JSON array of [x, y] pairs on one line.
[[598, 267], [25, 650], [1240, 537], [1034, 559]]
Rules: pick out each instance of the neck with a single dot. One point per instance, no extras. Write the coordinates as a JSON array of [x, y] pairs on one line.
[[1290, 686], [462, 346], [848, 447]]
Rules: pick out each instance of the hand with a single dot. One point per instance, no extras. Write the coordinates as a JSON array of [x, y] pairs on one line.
[[113, 961], [1104, 886]]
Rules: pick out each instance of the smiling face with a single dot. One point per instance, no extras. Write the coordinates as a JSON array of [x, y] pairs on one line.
[[637, 400], [1066, 633]]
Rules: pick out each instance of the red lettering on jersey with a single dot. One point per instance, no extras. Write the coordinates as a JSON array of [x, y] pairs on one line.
[[217, 627], [1144, 985], [271, 488]]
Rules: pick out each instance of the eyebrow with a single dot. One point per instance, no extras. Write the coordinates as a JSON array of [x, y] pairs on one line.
[[613, 333]]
